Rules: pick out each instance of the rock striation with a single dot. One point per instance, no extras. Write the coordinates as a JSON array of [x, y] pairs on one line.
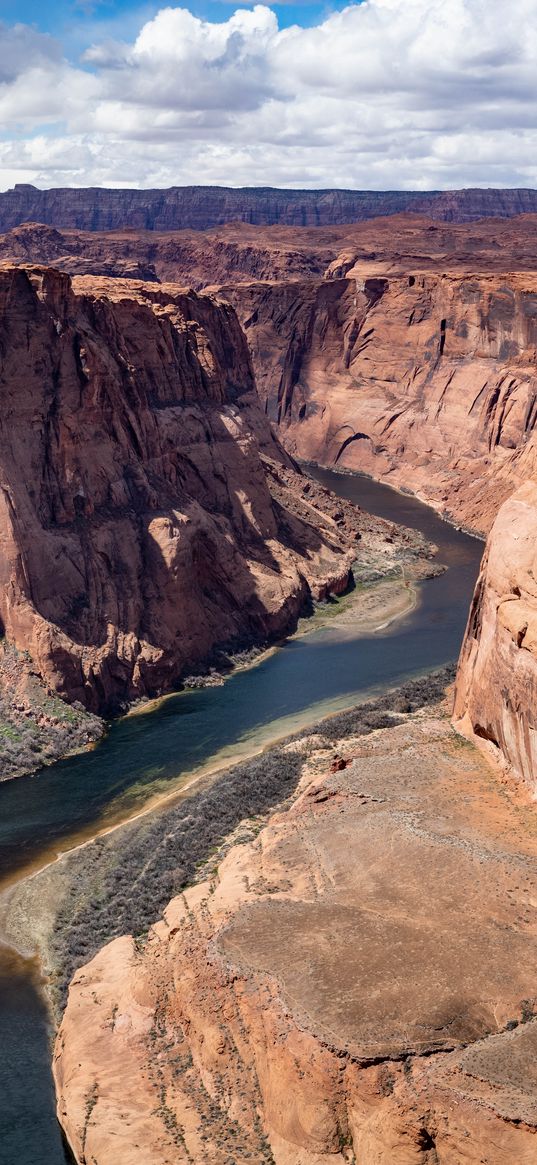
[[496, 691], [425, 379], [200, 207], [308, 1002], [239, 252], [400, 347], [147, 516]]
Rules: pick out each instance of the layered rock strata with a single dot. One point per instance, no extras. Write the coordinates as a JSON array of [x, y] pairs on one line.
[[200, 207], [141, 523], [496, 692], [398, 347], [426, 380], [238, 252], [326, 995]]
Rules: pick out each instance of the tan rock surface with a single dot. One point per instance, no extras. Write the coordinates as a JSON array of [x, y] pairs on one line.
[[344, 988], [496, 693], [139, 523], [239, 252]]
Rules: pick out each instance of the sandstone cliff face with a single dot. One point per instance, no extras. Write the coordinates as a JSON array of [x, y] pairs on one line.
[[311, 1002], [137, 527], [400, 347], [424, 379], [496, 693], [200, 207]]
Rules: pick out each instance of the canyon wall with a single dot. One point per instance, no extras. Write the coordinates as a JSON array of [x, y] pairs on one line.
[[426, 380], [398, 347], [496, 691], [140, 524], [200, 207]]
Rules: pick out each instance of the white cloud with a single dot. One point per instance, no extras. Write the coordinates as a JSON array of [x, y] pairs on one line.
[[387, 93]]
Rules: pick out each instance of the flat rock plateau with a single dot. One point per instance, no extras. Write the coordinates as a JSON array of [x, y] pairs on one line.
[[355, 982], [200, 207]]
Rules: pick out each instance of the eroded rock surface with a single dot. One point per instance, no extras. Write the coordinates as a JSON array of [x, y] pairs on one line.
[[356, 984], [206, 206], [496, 693], [238, 252], [426, 380], [146, 512], [401, 347]]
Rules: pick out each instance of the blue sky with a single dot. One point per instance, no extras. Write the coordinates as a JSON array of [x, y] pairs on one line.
[[79, 23], [382, 94]]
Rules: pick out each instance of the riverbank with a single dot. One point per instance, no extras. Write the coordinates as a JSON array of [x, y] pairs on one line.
[[365, 608], [152, 758], [36, 727], [350, 975], [120, 882]]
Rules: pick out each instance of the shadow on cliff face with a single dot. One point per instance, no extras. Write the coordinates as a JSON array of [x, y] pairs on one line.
[[140, 527]]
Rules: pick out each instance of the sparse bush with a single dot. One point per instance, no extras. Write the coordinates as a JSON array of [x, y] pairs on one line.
[[122, 882]]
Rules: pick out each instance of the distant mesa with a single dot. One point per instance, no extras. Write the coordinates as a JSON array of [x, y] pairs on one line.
[[201, 207]]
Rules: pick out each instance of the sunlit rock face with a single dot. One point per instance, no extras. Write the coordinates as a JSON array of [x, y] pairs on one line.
[[496, 694], [325, 996], [424, 379]]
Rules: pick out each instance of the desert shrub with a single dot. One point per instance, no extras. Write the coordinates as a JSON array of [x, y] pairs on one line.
[[121, 883]]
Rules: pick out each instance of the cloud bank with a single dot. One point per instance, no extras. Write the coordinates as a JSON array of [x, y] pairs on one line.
[[409, 94]]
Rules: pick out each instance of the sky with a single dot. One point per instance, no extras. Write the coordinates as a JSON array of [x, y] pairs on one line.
[[382, 94]]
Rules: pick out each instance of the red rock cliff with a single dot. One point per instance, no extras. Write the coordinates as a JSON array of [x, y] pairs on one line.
[[425, 379], [496, 692], [137, 528]]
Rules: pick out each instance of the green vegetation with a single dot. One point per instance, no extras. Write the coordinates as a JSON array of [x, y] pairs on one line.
[[36, 727]]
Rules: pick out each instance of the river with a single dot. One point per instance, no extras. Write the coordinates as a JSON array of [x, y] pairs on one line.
[[148, 755]]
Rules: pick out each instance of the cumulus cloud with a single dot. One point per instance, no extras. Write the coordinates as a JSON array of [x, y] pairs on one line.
[[387, 93]]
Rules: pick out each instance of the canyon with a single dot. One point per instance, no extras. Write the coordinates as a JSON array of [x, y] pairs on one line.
[[350, 976], [398, 347], [141, 523]]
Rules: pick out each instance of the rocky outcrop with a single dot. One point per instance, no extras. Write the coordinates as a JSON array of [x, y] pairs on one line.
[[496, 692], [199, 207], [137, 527], [146, 514], [237, 252], [323, 995], [240, 253], [424, 379]]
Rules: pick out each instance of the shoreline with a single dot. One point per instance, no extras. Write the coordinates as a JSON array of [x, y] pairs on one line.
[[404, 601], [403, 491], [31, 918]]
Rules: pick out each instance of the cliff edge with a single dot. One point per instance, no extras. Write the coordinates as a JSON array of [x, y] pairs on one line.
[[496, 691]]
